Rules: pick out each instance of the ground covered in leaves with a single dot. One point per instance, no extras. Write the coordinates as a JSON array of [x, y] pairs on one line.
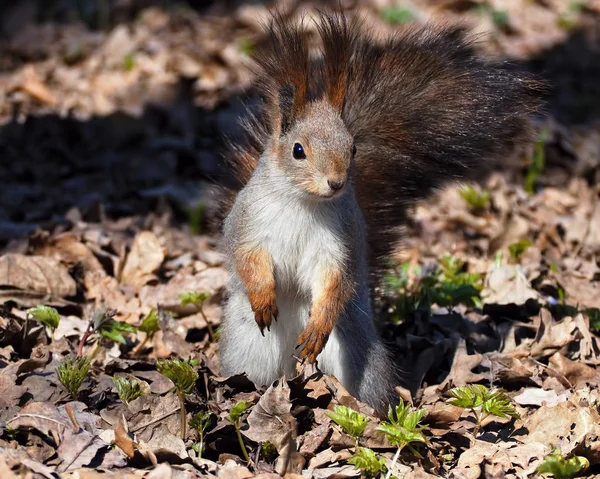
[[112, 115]]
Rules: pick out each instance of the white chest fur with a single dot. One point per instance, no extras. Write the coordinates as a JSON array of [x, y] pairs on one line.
[[301, 237]]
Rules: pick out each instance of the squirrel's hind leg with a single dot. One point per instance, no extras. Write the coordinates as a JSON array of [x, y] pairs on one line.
[[244, 349]]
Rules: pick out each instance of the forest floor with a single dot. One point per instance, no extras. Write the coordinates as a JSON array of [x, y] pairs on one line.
[[111, 124]]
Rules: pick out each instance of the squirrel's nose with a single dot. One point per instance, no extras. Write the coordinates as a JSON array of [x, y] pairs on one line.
[[335, 185]]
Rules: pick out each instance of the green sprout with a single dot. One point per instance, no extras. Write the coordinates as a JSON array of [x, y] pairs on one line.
[[234, 418], [197, 298], [127, 389], [184, 377], [445, 284], [562, 468], [129, 62], [353, 423], [269, 450], [403, 427], [483, 402], [247, 47], [200, 422], [538, 161], [196, 216], [593, 315], [102, 323], [517, 249], [477, 200], [46, 315], [397, 15], [149, 326], [71, 373], [367, 462]]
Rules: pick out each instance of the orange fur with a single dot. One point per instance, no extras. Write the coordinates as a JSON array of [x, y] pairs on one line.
[[325, 311], [255, 267]]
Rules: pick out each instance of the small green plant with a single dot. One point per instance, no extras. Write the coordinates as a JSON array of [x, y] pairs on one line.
[[102, 323], [477, 200], [367, 462], [353, 423], [247, 47], [538, 161], [499, 18], [184, 377], [196, 215], [594, 317], [570, 19], [483, 402], [128, 389], [517, 249], [234, 418], [71, 373], [129, 62], [445, 284], [269, 450], [149, 326], [562, 468], [197, 298], [398, 15], [200, 422], [403, 427], [46, 315]]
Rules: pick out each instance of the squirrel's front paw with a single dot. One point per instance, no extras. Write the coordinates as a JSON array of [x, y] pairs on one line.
[[265, 310], [314, 339]]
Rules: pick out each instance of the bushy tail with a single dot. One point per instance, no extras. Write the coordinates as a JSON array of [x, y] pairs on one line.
[[423, 108]]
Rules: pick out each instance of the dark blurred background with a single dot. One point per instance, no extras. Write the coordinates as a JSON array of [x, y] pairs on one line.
[[112, 108]]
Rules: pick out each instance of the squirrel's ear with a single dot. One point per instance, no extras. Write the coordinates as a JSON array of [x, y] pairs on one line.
[[285, 66], [338, 40]]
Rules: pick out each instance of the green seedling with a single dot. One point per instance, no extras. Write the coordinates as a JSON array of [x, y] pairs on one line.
[[483, 402], [445, 284], [200, 422], [196, 216], [398, 15], [478, 200], [404, 429], [234, 416], [562, 468], [129, 62], [128, 389], [538, 161], [594, 316], [367, 462], [517, 249], [184, 377], [197, 299], [103, 324], [71, 373], [269, 450], [247, 47], [149, 326], [353, 423], [46, 315]]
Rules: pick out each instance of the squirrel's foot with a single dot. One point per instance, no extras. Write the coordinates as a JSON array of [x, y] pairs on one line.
[[265, 312], [314, 339]]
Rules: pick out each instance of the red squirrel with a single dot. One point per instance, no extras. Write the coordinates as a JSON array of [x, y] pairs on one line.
[[346, 142]]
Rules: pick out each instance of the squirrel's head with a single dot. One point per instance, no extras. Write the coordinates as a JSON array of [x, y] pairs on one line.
[[316, 152], [310, 142]]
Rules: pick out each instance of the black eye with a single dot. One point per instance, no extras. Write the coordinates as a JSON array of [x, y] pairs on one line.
[[299, 152], [353, 150]]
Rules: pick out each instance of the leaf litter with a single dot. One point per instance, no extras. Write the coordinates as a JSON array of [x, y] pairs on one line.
[[110, 134]]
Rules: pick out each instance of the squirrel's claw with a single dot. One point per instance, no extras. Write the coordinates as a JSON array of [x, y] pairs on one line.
[[313, 339], [264, 315]]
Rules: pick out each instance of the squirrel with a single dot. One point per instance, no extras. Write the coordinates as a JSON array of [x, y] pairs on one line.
[[347, 140]]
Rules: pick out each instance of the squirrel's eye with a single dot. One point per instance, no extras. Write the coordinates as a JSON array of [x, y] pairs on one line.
[[299, 152], [353, 150]]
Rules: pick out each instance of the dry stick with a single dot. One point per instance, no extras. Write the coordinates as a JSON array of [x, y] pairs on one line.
[[181, 396]]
